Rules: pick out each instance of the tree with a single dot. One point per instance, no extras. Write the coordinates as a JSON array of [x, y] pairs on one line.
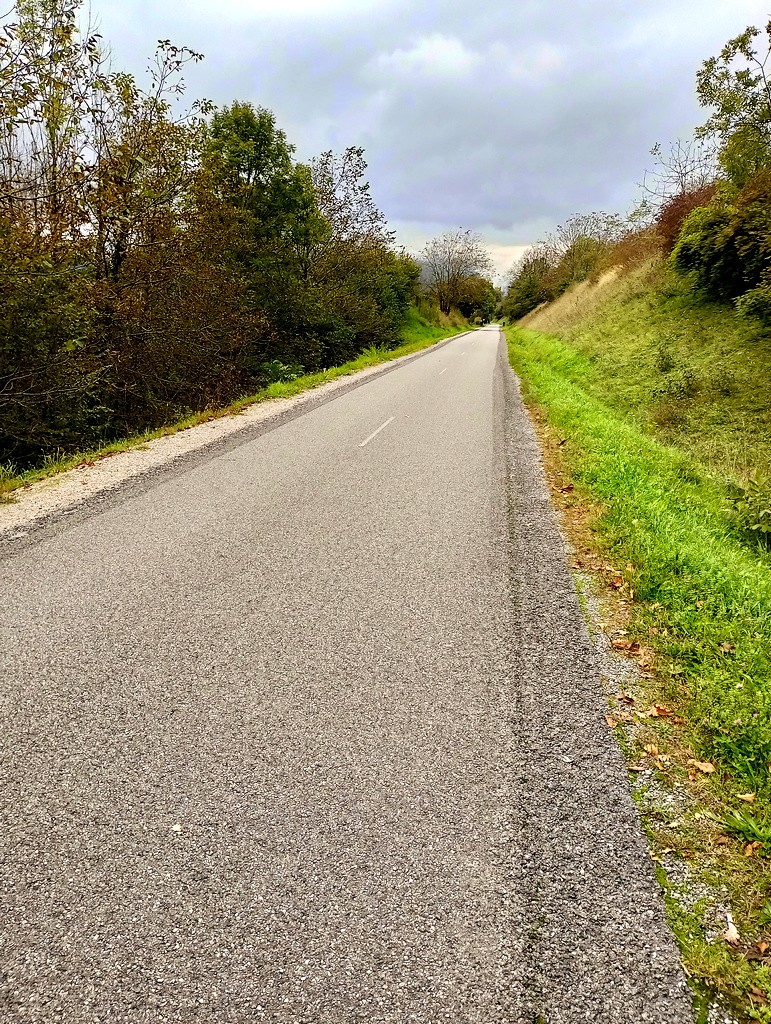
[[736, 85], [478, 298], [449, 259], [345, 199], [531, 281], [689, 165]]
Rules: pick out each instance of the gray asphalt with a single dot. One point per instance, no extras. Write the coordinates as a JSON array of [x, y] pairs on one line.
[[309, 731]]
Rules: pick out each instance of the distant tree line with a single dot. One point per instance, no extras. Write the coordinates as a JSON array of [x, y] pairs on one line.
[[154, 260], [707, 205]]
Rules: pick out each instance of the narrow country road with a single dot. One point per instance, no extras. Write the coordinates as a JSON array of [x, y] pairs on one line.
[[307, 729]]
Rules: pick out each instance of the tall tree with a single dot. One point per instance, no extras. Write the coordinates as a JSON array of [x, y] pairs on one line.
[[450, 258], [736, 85]]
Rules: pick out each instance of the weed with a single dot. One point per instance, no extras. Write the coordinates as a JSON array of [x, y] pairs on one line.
[[664, 361], [275, 371], [750, 829], [750, 502]]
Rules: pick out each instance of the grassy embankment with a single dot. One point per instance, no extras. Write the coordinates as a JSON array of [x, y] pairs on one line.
[[657, 410], [418, 333]]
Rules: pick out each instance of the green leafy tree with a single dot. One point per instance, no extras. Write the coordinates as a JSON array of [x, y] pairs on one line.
[[736, 86]]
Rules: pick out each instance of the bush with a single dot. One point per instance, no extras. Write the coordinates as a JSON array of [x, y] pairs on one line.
[[673, 213], [727, 244]]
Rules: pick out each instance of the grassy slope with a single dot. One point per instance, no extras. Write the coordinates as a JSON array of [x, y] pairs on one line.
[[418, 333], [665, 401], [691, 374], [662, 401]]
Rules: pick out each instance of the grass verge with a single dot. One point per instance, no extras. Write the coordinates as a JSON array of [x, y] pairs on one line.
[[418, 334], [696, 615]]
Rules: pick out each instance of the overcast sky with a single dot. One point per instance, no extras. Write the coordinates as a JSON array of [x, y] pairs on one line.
[[504, 117]]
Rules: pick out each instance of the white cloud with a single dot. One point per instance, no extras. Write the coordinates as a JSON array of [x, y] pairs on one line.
[[442, 58], [504, 257], [434, 56], [252, 10]]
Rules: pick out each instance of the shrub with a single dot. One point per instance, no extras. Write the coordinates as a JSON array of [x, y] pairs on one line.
[[727, 244], [674, 211]]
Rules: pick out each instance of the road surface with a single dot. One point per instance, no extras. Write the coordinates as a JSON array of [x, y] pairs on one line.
[[307, 729]]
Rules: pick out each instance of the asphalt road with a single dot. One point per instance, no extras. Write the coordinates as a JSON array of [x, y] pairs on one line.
[[309, 730]]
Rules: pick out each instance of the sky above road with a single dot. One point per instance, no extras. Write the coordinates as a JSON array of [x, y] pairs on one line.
[[506, 118]]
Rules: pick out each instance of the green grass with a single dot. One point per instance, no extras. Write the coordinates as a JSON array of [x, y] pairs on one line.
[[418, 333], [693, 374], [705, 589]]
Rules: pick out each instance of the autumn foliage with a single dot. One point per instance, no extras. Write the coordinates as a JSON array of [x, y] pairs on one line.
[[155, 261]]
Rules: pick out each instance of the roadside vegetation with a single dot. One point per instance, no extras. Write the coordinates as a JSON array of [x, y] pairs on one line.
[[160, 260], [644, 347], [417, 334]]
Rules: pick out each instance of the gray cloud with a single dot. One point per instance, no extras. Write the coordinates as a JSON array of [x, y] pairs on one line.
[[502, 118]]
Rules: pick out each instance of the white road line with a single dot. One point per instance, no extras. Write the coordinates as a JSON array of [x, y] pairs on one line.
[[443, 371], [376, 432]]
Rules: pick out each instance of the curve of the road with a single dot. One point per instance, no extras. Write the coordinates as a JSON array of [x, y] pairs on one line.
[[309, 731]]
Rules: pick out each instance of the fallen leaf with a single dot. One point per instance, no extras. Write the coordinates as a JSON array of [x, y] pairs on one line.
[[731, 934], [637, 767], [652, 750], [762, 947], [752, 848], [758, 996], [707, 767], [727, 648], [612, 722], [699, 604], [655, 712], [621, 644], [617, 582], [748, 798], [567, 488], [661, 711], [723, 841], [625, 697]]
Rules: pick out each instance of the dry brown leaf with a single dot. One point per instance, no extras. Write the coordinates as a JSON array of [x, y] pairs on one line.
[[748, 798], [625, 697], [651, 749], [707, 767], [622, 644], [617, 582], [758, 995], [612, 722], [762, 947], [636, 767], [727, 648]]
